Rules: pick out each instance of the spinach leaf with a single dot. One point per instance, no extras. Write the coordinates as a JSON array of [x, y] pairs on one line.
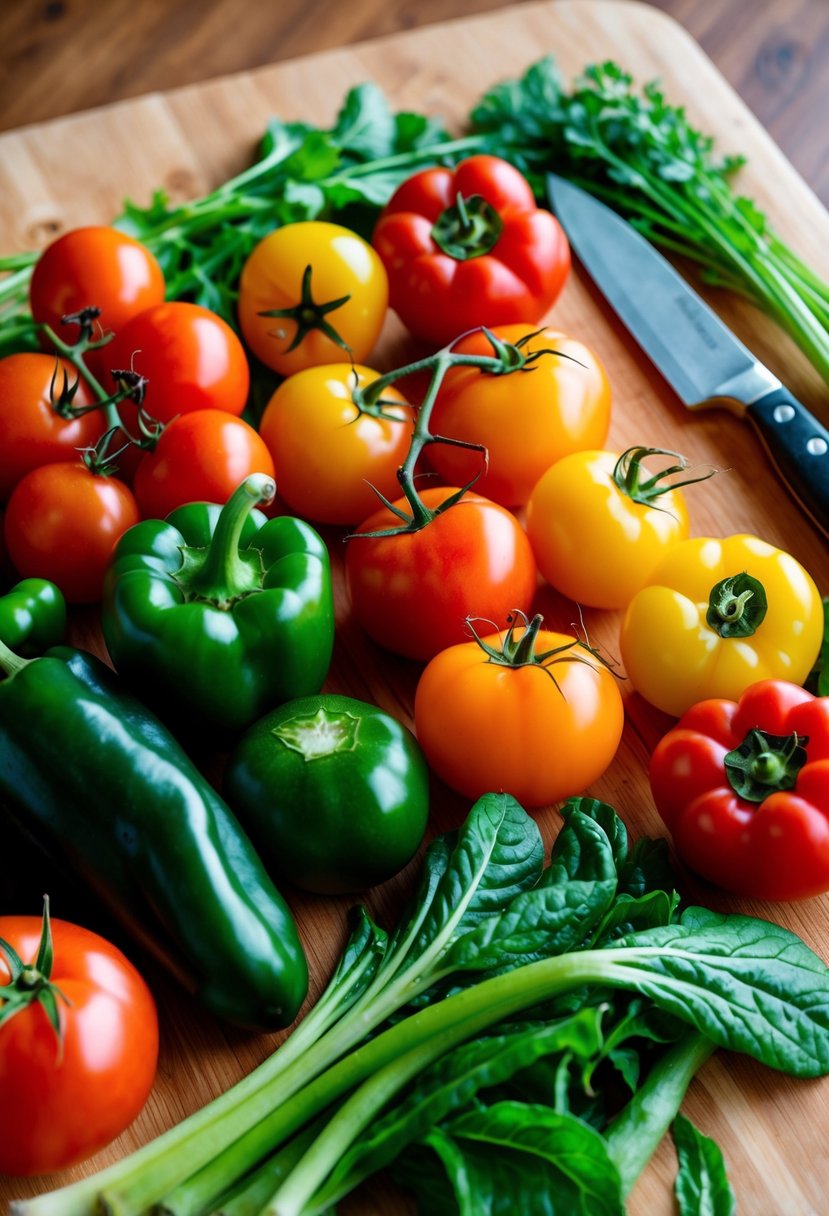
[[702, 1186], [515, 1157]]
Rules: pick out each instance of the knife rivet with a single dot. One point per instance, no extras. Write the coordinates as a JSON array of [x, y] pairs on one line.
[[817, 446], [783, 413]]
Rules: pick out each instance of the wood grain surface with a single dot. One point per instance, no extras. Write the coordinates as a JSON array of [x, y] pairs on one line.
[[60, 56], [771, 1129]]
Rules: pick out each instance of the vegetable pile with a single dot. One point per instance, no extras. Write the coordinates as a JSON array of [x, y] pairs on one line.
[[196, 447], [524, 1030]]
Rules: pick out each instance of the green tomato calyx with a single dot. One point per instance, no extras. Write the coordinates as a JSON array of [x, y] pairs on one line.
[[324, 733], [520, 651], [222, 573], [737, 606], [310, 314], [30, 982], [468, 229], [764, 764], [634, 482]]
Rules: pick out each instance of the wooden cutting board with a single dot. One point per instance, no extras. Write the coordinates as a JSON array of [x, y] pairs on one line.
[[78, 169]]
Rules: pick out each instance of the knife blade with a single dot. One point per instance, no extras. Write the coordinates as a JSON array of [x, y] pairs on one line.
[[699, 356]]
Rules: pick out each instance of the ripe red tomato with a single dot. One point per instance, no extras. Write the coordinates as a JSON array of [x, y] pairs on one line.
[[527, 420], [191, 357], [95, 266], [200, 457], [64, 1101], [62, 523], [413, 593], [31, 431], [330, 458]]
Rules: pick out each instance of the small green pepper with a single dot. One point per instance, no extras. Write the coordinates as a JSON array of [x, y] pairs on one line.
[[218, 614], [104, 788], [32, 616], [334, 793]]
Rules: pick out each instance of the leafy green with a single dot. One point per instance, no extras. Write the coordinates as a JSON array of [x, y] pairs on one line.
[[702, 1186], [510, 1028], [818, 681]]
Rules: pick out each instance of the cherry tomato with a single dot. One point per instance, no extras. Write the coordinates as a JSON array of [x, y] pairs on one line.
[[345, 290], [65, 1099], [413, 593], [329, 457], [31, 431], [541, 731], [191, 357], [62, 523], [200, 457], [527, 420], [95, 266], [591, 539]]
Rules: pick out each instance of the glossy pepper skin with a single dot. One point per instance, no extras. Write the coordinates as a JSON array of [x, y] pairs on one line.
[[334, 793], [743, 788], [218, 614], [716, 616], [32, 616], [468, 246], [103, 786]]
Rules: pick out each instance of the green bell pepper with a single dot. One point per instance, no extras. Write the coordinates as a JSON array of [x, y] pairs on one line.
[[32, 616], [102, 786], [218, 614], [334, 793]]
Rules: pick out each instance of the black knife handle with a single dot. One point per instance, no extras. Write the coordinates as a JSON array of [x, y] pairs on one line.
[[799, 447]]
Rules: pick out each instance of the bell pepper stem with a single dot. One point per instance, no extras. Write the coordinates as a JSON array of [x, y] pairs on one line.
[[11, 662], [221, 574]]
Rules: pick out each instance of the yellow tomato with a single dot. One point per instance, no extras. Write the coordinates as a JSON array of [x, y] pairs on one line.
[[592, 540], [527, 420], [541, 730], [699, 629], [328, 288], [330, 457]]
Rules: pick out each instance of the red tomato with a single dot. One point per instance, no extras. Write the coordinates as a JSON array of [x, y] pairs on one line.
[[62, 523], [31, 431], [330, 458], [527, 420], [200, 457], [467, 246], [413, 593], [63, 1103], [95, 266], [191, 357]]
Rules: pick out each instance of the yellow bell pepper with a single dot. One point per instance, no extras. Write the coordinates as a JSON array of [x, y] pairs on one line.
[[717, 616]]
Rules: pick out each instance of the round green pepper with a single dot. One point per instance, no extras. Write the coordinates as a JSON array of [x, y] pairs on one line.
[[333, 792]]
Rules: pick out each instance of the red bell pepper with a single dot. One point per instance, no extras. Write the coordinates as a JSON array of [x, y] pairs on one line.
[[744, 789], [466, 247]]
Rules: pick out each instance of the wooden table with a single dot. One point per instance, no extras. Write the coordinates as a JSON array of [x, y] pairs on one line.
[[771, 1129]]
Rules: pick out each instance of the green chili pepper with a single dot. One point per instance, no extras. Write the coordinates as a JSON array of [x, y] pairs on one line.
[[32, 616], [103, 786], [218, 614]]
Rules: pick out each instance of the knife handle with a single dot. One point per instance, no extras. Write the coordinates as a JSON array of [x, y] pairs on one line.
[[799, 447]]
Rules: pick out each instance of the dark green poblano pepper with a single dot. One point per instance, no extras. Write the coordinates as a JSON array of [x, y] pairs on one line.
[[97, 780], [218, 614]]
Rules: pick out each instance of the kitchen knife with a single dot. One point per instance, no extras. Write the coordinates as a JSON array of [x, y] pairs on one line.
[[698, 355]]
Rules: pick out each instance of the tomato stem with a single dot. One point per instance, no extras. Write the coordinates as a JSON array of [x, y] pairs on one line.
[[628, 474], [505, 359], [310, 314]]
